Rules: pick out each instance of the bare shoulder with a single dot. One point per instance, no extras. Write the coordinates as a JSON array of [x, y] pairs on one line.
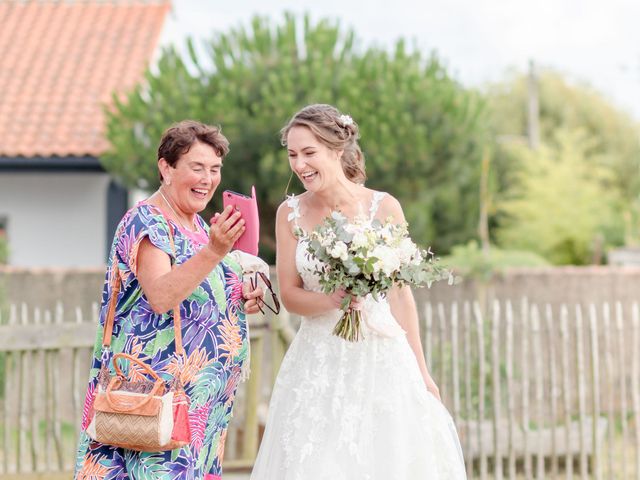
[[390, 207], [284, 209]]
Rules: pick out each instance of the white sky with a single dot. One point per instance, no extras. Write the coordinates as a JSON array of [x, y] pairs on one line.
[[591, 41]]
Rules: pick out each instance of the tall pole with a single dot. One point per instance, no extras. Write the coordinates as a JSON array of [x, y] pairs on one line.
[[483, 224], [533, 109]]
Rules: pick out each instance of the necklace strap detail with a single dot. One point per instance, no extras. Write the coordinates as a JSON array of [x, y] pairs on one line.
[[175, 214]]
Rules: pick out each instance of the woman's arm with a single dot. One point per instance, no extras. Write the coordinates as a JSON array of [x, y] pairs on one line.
[[403, 305], [403, 308], [294, 297], [165, 287]]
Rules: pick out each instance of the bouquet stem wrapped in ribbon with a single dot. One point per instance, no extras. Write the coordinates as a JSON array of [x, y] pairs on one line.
[[368, 257]]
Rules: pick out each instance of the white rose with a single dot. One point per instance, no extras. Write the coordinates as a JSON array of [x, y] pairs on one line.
[[360, 240], [350, 228], [385, 234], [417, 259], [388, 261], [339, 250], [406, 250]]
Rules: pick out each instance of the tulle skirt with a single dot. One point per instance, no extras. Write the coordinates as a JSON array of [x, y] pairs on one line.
[[355, 411]]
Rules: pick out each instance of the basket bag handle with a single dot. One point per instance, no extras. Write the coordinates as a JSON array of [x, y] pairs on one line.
[[116, 283]]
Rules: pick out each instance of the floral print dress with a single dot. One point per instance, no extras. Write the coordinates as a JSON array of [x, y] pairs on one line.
[[215, 339]]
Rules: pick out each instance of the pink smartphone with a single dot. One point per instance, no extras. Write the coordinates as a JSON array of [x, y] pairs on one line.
[[248, 207]]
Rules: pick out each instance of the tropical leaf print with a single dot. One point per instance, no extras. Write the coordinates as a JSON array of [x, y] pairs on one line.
[[92, 469], [119, 340], [232, 340], [161, 341], [183, 468], [221, 443], [87, 409], [210, 383], [200, 323], [133, 299], [234, 291], [132, 253], [145, 465], [189, 369], [199, 295], [83, 446], [198, 423], [217, 288], [208, 454], [215, 433], [230, 388]]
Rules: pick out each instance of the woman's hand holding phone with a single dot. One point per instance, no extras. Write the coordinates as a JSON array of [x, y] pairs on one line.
[[248, 206], [226, 228]]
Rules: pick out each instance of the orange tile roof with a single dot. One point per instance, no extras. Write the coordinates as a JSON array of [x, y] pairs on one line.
[[60, 62]]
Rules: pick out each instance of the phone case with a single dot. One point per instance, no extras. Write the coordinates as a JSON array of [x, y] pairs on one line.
[[248, 207]]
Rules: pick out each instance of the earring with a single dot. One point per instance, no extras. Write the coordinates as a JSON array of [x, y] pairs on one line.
[[167, 182]]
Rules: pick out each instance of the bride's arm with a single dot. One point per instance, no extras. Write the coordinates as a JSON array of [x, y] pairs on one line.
[[403, 308], [294, 297], [403, 305]]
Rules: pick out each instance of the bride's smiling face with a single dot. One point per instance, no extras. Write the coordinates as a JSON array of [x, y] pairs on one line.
[[315, 164]]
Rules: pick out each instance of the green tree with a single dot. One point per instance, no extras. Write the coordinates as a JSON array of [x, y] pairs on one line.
[[613, 136], [560, 205], [421, 131]]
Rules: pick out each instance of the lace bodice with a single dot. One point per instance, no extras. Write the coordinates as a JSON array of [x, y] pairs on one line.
[[305, 263], [377, 316]]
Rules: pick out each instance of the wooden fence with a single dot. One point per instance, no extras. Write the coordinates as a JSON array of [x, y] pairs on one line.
[[536, 391]]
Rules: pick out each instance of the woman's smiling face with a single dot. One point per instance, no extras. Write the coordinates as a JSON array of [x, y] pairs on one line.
[[195, 177], [315, 164]]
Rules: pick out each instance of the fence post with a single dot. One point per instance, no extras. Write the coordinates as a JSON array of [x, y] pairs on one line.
[[635, 388], [510, 396], [495, 364], [595, 392], [553, 388], [566, 389], [539, 394], [622, 365], [481, 386]]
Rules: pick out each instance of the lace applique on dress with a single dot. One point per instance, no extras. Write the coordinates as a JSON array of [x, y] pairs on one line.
[[375, 203], [293, 203]]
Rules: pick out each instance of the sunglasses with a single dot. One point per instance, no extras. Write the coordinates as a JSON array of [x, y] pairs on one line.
[[254, 281]]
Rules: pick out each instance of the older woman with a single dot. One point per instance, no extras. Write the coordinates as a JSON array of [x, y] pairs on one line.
[[162, 230]]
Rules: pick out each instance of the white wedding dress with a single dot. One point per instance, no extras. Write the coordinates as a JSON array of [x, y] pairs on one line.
[[354, 411]]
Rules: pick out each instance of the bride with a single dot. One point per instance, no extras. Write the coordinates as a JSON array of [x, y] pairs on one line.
[[367, 410]]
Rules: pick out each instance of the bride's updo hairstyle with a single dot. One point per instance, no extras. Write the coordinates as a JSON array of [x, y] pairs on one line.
[[335, 131]]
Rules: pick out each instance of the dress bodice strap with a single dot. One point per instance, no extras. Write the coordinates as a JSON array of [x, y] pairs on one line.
[[375, 203], [293, 202]]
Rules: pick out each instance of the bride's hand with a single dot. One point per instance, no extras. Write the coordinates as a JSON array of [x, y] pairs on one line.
[[336, 297], [432, 387]]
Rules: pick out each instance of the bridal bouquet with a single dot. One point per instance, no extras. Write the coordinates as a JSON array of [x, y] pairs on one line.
[[368, 257]]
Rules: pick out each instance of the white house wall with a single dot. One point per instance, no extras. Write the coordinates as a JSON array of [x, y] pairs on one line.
[[55, 219]]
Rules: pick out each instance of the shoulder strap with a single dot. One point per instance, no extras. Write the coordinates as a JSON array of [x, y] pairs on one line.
[[116, 282], [375, 203], [293, 203]]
